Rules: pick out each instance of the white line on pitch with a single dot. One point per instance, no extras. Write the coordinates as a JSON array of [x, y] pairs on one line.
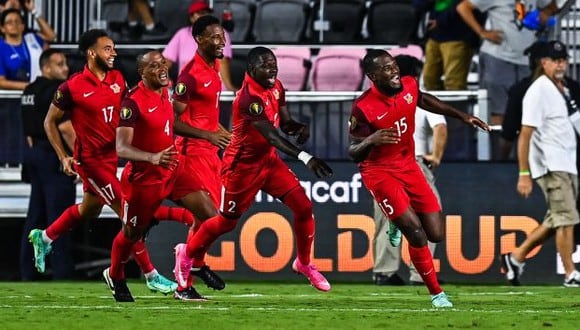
[[282, 309]]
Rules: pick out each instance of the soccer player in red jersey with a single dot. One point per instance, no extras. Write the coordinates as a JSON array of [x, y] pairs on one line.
[[250, 163], [92, 99], [381, 132], [196, 105], [145, 138]]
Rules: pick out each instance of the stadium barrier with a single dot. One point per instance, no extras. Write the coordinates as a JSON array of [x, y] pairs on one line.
[[326, 112]]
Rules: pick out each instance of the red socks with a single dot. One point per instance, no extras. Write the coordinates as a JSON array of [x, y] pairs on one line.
[[423, 262], [141, 256], [120, 255], [67, 220], [177, 214], [209, 231], [304, 225]]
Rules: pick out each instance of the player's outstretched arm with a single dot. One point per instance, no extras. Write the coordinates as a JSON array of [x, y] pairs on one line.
[[318, 166], [433, 104], [292, 127]]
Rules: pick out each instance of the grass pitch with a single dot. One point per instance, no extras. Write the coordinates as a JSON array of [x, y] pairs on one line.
[[89, 305]]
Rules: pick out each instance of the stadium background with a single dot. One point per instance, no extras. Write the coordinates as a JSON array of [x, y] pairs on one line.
[[484, 215]]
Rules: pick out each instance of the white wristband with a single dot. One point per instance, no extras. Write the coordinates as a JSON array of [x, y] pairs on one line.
[[35, 14], [304, 157]]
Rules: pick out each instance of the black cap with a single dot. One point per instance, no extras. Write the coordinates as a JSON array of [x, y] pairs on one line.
[[537, 50], [556, 50]]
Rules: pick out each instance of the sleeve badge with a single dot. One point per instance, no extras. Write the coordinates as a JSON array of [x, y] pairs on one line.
[[126, 113], [352, 123], [58, 96], [180, 88], [256, 108]]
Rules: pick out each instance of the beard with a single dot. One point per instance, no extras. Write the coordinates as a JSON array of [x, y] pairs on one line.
[[102, 64]]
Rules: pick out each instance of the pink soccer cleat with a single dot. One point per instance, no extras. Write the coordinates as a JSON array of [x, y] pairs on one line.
[[316, 279], [182, 265]]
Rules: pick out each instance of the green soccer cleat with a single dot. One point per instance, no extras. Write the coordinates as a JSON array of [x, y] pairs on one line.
[[440, 300], [160, 283], [394, 235], [41, 248]]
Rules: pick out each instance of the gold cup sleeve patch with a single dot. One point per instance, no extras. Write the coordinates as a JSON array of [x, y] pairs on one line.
[[126, 113], [352, 123], [256, 108], [180, 88], [58, 96]]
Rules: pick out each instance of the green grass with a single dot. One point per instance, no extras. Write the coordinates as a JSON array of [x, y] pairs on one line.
[[89, 305]]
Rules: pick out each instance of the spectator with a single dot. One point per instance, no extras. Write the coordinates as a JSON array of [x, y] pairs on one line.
[[501, 59], [19, 50], [182, 46], [513, 113], [52, 191], [8, 4], [430, 138], [547, 154], [448, 50], [139, 9]]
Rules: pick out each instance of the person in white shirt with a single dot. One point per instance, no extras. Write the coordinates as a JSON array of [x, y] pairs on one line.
[[430, 140], [547, 154]]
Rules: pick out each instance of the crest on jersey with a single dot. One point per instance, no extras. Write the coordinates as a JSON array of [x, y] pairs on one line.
[[256, 108], [409, 98], [180, 89], [276, 94], [116, 88], [58, 96], [126, 113], [352, 122]]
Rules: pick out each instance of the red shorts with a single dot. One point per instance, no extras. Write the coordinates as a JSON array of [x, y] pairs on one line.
[[100, 178], [240, 186], [141, 197], [203, 173], [396, 191]]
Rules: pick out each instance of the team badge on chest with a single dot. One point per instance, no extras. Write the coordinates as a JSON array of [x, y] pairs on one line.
[[408, 98], [116, 88]]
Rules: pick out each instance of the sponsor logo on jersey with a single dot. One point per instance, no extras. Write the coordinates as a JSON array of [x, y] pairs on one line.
[[58, 96]]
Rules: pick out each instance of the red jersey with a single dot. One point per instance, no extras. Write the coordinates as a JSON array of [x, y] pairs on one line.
[[373, 111], [151, 116], [93, 106], [199, 86], [252, 103]]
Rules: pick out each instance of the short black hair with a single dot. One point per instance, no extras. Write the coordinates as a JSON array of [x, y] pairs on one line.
[[89, 38], [409, 65], [369, 64], [202, 23], [141, 58], [255, 55], [45, 56], [7, 12]]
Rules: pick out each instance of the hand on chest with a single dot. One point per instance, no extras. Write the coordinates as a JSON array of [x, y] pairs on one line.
[[396, 112]]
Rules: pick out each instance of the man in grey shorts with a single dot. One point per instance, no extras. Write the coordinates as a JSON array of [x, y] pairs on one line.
[[547, 154]]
